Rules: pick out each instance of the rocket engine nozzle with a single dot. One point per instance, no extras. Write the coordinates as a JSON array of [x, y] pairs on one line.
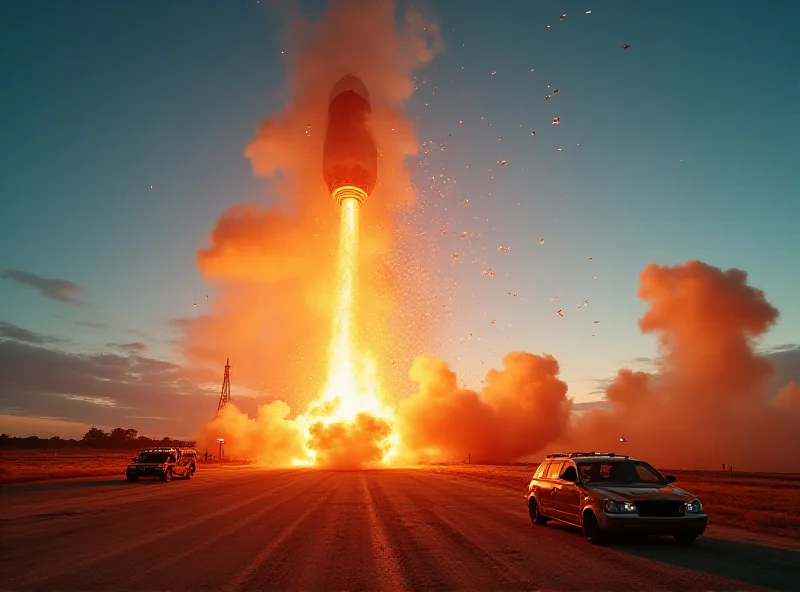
[[349, 154]]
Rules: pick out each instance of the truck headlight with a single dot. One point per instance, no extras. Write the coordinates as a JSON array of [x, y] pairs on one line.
[[612, 507], [694, 507]]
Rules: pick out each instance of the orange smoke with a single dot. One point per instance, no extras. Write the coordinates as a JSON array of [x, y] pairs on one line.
[[274, 262], [709, 403], [522, 408], [270, 438]]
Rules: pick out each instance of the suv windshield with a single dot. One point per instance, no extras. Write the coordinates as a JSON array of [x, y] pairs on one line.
[[152, 458], [628, 472]]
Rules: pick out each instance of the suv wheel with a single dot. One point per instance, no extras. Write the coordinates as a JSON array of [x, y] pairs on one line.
[[533, 512], [591, 529], [189, 473], [686, 539]]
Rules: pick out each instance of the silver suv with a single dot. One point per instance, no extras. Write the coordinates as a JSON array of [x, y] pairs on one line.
[[604, 493]]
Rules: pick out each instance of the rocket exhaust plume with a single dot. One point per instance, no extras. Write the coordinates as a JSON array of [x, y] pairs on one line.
[[349, 424]]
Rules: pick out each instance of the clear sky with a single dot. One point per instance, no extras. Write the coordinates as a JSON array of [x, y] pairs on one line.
[[683, 146]]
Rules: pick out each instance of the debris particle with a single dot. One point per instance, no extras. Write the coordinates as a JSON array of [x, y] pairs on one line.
[[555, 92], [559, 149], [492, 321], [583, 304], [195, 303], [464, 234], [494, 72], [556, 120], [591, 259], [454, 255], [502, 162], [588, 12], [560, 312], [596, 322], [547, 26], [624, 46], [546, 97], [541, 241], [533, 132], [554, 298], [511, 293], [488, 272], [563, 16], [460, 121], [503, 248], [151, 187]]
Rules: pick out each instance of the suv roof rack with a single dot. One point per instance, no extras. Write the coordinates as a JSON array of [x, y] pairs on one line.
[[580, 454]]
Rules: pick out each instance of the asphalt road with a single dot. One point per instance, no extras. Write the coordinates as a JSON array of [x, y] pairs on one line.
[[236, 528]]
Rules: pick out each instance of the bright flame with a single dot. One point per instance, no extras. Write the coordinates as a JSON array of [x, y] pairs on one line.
[[351, 388]]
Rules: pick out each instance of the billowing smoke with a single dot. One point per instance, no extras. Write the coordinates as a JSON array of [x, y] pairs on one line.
[[350, 444], [709, 402], [274, 262], [271, 438], [521, 409]]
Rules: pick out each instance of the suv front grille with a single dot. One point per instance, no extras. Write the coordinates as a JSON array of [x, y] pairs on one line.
[[660, 509]]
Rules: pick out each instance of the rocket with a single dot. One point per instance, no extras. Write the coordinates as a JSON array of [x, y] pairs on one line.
[[349, 154]]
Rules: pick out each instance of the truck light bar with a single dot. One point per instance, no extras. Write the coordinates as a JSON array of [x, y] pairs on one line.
[[579, 454]]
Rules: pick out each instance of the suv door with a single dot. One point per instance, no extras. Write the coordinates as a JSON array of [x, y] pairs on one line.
[[567, 495], [546, 502]]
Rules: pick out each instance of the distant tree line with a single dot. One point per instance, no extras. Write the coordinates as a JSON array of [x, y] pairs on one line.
[[118, 438]]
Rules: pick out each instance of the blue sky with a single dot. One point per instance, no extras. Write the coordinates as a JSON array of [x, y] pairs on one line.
[[688, 151]]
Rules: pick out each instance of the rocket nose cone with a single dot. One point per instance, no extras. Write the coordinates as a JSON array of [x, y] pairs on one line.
[[350, 82]]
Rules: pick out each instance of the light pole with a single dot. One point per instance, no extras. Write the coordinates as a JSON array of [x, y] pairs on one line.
[[221, 442]]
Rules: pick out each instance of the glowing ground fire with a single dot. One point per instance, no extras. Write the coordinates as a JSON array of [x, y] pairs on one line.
[[349, 407]]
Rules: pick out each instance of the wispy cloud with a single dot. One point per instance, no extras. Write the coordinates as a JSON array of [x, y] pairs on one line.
[[55, 289], [135, 347], [118, 388], [9, 331]]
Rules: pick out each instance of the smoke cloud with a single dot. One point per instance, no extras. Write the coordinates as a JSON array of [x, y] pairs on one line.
[[274, 261], [522, 408], [709, 402]]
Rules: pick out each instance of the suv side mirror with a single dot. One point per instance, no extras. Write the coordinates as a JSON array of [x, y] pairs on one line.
[[670, 478]]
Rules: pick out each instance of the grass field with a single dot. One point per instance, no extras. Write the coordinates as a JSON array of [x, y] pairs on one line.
[[758, 502], [19, 466], [25, 466]]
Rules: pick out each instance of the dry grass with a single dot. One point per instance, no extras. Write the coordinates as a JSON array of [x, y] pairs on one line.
[[758, 502], [24, 466], [20, 466]]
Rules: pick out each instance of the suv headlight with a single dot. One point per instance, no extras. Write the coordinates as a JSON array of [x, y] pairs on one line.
[[694, 507], [612, 507]]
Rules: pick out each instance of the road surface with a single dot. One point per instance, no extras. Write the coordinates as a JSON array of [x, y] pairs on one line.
[[248, 529]]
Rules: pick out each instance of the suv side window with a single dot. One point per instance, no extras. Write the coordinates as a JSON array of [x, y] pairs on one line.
[[569, 473], [555, 469], [541, 470]]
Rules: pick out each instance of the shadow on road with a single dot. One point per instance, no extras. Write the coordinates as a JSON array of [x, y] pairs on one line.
[[778, 569]]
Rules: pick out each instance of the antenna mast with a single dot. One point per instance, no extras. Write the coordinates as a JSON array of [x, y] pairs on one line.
[[225, 395]]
